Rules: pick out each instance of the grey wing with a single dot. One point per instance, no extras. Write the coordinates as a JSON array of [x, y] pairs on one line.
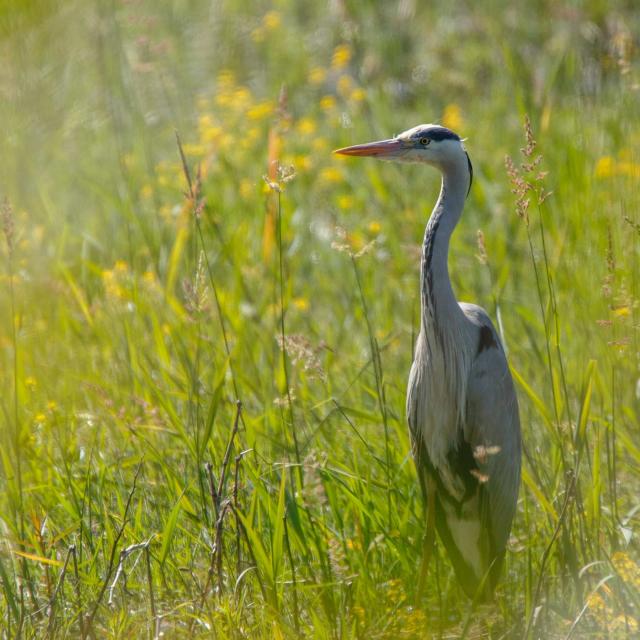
[[493, 430]]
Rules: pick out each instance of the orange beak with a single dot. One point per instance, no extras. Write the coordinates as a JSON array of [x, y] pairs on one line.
[[381, 149]]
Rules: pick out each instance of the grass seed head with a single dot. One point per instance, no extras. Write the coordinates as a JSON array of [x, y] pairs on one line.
[[196, 291], [301, 351], [526, 178], [482, 248]]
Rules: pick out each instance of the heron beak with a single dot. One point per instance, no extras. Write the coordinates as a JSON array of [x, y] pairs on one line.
[[381, 149]]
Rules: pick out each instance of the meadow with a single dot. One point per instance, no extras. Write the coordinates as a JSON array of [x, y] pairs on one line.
[[207, 319]]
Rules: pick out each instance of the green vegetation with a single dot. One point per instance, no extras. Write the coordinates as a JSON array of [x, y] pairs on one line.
[[142, 298]]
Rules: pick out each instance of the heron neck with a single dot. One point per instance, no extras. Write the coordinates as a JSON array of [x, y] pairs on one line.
[[439, 304]]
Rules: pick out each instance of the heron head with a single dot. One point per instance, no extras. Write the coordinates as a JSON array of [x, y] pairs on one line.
[[428, 143]]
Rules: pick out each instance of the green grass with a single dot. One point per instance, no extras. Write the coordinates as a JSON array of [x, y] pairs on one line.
[[166, 466]]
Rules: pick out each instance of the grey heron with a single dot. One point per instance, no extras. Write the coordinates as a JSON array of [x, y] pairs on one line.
[[461, 407]]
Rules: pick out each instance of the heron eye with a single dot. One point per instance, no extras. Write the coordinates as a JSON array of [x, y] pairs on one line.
[[424, 141]]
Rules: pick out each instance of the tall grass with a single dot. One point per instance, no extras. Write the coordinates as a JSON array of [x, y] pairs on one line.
[[205, 352]]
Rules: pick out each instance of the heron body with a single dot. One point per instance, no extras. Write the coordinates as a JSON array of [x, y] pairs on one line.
[[461, 403]]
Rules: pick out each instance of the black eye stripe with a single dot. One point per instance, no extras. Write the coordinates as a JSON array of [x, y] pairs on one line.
[[437, 133]]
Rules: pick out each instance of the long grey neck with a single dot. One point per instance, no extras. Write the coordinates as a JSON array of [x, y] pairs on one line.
[[439, 305]]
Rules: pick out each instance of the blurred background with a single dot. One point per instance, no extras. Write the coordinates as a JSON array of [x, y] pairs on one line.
[[143, 292]]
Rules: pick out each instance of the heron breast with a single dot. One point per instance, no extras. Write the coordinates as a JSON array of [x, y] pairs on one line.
[[436, 401]]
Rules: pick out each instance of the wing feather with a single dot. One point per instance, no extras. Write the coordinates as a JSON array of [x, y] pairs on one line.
[[492, 429], [476, 489]]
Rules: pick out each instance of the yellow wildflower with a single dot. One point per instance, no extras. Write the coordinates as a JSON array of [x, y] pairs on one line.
[[241, 98], [224, 99], [358, 95], [111, 285], [345, 202], [225, 141], [260, 110], [327, 103], [40, 418], [226, 79], [205, 121], [415, 621], [358, 614], [121, 266], [257, 35], [302, 162], [146, 192], [394, 590], [341, 56], [624, 624], [357, 242], [452, 117], [598, 607], [210, 134], [271, 20], [605, 167], [345, 84], [320, 144], [197, 150], [250, 136], [52, 405], [301, 304], [306, 126], [30, 382], [627, 568], [247, 188], [630, 169], [149, 277], [331, 174], [317, 75], [374, 227]]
